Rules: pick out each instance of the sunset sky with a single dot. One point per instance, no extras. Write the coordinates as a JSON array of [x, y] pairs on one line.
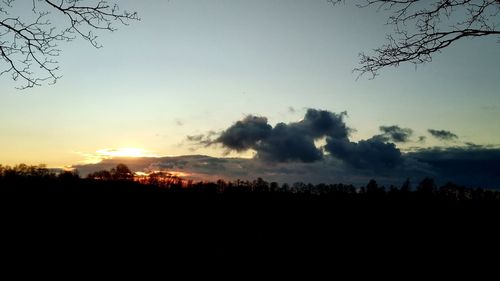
[[192, 67]]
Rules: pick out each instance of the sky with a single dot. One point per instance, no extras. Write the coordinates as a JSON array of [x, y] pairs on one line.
[[193, 67]]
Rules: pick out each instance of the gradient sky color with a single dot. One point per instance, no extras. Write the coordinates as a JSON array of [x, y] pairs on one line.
[[190, 67]]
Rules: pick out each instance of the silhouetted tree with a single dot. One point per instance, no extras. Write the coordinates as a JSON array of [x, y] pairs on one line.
[[26, 171], [298, 186], [422, 28], [29, 41], [164, 180], [274, 186], [373, 190], [100, 175], [69, 176], [285, 187], [427, 188], [260, 185], [372, 186], [122, 172], [221, 185], [406, 186]]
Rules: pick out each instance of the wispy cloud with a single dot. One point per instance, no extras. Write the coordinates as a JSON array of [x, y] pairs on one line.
[[395, 133], [443, 135]]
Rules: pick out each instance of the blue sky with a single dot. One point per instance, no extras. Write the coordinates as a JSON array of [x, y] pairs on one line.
[[189, 67]]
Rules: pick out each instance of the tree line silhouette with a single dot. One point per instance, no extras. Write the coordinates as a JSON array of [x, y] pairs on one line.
[[129, 216], [39, 178]]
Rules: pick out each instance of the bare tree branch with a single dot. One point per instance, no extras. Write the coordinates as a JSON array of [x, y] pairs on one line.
[[425, 27], [29, 42]]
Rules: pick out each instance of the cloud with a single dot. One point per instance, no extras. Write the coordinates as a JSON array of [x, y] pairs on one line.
[[443, 135], [470, 165], [371, 154], [195, 138], [291, 151], [474, 166], [321, 123], [202, 139], [284, 142], [203, 168], [179, 122], [395, 133], [288, 143], [245, 134], [296, 141]]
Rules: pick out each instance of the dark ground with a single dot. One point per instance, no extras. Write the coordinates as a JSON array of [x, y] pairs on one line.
[[73, 225]]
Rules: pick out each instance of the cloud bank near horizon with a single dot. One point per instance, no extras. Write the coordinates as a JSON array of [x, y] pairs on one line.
[[318, 148], [470, 166]]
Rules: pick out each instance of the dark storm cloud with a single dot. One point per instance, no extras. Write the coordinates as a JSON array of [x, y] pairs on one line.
[[285, 142], [443, 135], [373, 153], [395, 133], [295, 141], [288, 143], [470, 165], [245, 134], [321, 123]]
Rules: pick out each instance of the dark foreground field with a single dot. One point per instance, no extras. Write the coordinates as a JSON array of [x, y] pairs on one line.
[[82, 222]]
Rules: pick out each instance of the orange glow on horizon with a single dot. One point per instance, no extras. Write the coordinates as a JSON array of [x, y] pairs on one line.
[[177, 174]]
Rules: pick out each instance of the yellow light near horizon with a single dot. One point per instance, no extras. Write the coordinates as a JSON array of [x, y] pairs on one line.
[[131, 152], [110, 153]]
